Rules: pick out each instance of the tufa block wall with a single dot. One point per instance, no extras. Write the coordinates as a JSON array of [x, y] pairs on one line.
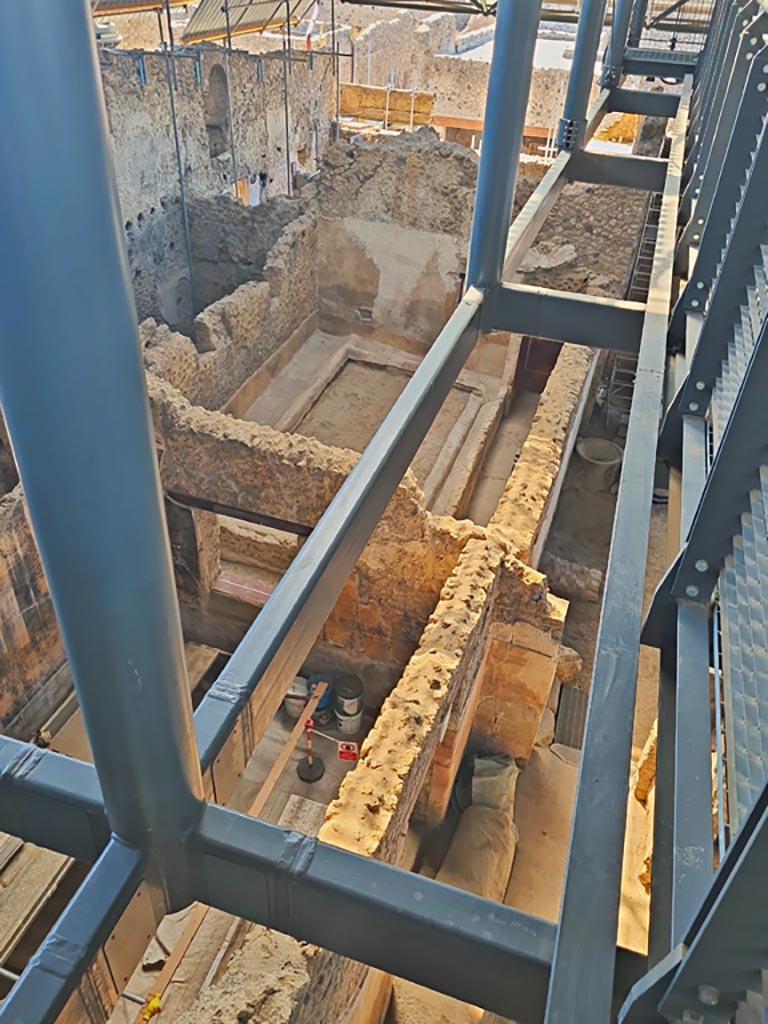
[[528, 501], [386, 603]]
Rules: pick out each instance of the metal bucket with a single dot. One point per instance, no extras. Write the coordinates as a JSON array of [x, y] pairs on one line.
[[600, 462]]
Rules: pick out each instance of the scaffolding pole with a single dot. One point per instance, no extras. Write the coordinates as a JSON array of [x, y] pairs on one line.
[[170, 74], [73, 395]]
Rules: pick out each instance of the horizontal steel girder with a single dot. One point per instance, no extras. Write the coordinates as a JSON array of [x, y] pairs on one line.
[[613, 324], [52, 974], [659, 64], [380, 915], [397, 921], [530, 219], [582, 972], [646, 173], [275, 646], [51, 800], [635, 101]]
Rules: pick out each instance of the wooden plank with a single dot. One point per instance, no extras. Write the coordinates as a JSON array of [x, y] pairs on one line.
[[472, 124], [9, 847]]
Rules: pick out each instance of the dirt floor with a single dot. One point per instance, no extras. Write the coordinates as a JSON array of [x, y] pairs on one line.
[[581, 532], [502, 456], [543, 809], [352, 407]]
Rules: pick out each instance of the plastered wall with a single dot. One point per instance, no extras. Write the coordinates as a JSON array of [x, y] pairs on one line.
[[394, 232]]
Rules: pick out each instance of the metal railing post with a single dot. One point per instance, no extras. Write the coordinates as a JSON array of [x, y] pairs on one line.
[[517, 22], [74, 399]]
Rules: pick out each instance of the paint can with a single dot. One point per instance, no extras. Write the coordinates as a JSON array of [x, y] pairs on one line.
[[349, 696], [349, 724], [324, 710], [296, 699]]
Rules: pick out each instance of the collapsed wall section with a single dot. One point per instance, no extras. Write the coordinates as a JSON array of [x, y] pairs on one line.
[[240, 332]]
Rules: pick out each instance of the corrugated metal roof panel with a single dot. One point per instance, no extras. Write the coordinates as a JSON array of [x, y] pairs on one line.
[[109, 7], [209, 22]]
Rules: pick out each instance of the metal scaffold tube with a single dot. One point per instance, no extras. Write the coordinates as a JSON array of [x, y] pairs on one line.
[[509, 83], [615, 57], [574, 119], [73, 396]]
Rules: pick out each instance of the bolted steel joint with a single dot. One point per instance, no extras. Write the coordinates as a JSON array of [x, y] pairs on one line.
[[570, 133]]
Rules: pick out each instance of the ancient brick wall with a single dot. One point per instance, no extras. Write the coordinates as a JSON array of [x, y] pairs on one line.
[[31, 648]]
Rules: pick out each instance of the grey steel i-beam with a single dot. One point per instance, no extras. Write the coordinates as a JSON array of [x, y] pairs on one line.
[[74, 400], [509, 82], [582, 971], [45, 986], [595, 321], [574, 119]]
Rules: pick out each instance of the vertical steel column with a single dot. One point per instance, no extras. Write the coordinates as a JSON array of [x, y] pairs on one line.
[[73, 395], [637, 22], [614, 63], [574, 119], [517, 23]]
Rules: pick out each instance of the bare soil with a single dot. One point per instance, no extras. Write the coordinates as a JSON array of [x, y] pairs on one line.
[[352, 407]]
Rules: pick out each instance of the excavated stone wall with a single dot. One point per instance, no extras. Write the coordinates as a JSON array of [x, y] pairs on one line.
[[394, 230], [238, 333], [31, 649], [530, 493], [136, 93], [409, 53], [589, 239], [138, 31], [383, 609], [231, 243]]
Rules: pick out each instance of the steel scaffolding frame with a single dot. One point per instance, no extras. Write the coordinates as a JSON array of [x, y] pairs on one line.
[[146, 821]]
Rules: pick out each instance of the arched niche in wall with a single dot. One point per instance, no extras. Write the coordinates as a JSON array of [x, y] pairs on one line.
[[216, 116]]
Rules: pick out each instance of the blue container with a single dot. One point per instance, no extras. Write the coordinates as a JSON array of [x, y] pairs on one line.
[[324, 709]]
